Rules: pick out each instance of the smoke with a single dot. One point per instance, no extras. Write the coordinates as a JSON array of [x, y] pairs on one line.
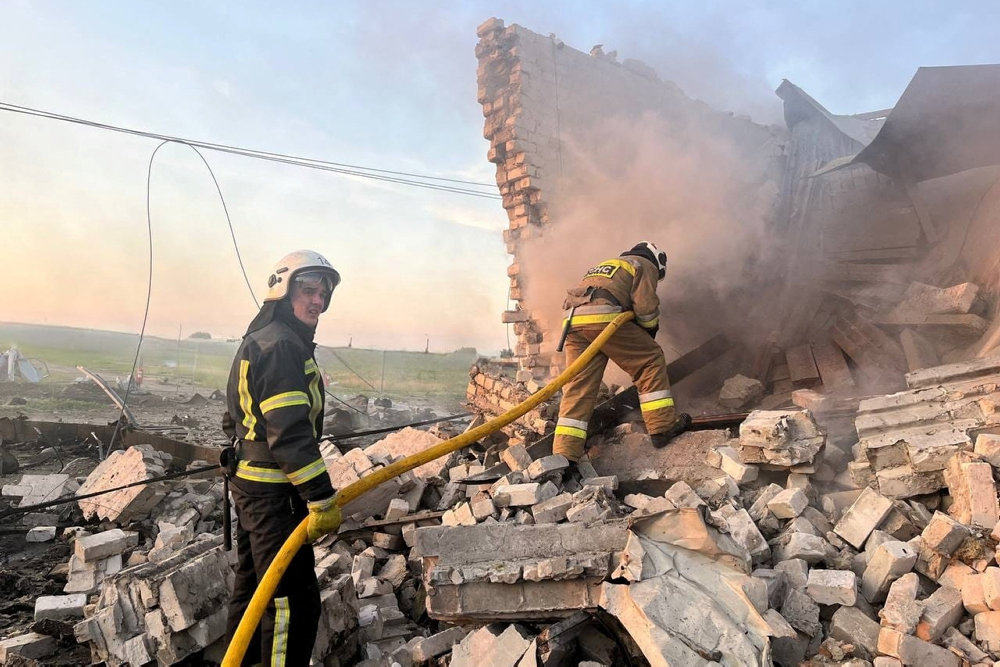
[[694, 185]]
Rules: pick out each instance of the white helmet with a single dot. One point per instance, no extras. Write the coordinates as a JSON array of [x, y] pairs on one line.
[[652, 253], [298, 265]]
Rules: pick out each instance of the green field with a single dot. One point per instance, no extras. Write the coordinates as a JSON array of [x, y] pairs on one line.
[[400, 375]]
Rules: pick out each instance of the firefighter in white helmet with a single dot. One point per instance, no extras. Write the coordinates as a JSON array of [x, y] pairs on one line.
[[627, 282], [275, 414]]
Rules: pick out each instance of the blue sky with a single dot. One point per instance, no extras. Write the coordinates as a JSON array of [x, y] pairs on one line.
[[381, 84]]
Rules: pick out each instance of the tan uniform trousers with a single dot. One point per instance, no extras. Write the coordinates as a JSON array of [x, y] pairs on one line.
[[638, 355]]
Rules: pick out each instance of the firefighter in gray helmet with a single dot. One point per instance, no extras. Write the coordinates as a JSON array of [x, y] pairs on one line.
[[627, 282], [275, 414]]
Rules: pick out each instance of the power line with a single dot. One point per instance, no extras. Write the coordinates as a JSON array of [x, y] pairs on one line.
[[360, 434], [72, 499], [149, 295], [229, 221], [358, 375], [386, 175]]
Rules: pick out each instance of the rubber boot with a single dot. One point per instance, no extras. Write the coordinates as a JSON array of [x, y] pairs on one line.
[[681, 424]]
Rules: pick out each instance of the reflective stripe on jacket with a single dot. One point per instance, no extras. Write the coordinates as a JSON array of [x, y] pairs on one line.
[[631, 281], [275, 396]]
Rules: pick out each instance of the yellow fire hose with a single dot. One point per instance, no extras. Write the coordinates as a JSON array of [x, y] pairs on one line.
[[269, 583]]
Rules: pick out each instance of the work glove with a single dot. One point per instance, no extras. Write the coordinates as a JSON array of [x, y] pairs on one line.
[[653, 331], [324, 517]]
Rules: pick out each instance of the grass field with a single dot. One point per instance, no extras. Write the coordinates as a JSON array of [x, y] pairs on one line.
[[397, 374]]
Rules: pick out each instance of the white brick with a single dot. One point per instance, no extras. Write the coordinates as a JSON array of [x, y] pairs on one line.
[[547, 465], [863, 516], [730, 463], [552, 510], [890, 561], [901, 610], [102, 545], [832, 587], [788, 504], [942, 610], [428, 648], [519, 495], [41, 534], [60, 607]]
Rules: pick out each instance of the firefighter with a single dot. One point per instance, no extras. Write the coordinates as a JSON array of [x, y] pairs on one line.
[[627, 282], [275, 415]]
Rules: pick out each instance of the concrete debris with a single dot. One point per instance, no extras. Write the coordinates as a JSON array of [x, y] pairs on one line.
[[784, 438], [40, 534], [166, 611], [921, 299], [60, 607], [135, 464], [907, 439], [406, 442], [34, 489], [739, 392], [970, 483], [492, 572], [30, 646], [492, 646]]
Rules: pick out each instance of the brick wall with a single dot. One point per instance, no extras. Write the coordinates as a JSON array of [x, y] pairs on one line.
[[549, 113]]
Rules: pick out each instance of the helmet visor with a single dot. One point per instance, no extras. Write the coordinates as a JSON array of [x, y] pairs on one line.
[[318, 279]]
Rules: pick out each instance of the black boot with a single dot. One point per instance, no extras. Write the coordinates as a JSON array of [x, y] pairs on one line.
[[681, 424]]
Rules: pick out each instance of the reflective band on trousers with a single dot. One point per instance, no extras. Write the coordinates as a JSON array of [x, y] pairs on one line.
[[655, 400], [282, 619], [572, 427]]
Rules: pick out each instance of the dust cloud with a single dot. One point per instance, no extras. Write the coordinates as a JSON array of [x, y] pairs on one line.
[[696, 188]]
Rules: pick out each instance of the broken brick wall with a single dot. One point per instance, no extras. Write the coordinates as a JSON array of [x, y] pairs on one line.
[[856, 242], [493, 391], [593, 156], [963, 213]]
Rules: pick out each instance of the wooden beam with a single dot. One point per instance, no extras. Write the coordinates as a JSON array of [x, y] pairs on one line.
[[801, 366], [832, 367]]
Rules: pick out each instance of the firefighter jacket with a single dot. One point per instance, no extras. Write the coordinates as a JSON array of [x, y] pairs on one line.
[[275, 401], [613, 286]]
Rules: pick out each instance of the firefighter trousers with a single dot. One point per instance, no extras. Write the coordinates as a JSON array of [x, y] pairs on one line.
[[287, 630], [632, 349]]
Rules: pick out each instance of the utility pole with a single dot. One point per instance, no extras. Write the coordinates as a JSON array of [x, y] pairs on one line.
[[381, 385], [180, 328], [427, 345]]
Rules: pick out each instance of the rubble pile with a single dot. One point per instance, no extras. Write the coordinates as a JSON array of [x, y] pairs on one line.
[[861, 344], [161, 611], [503, 558]]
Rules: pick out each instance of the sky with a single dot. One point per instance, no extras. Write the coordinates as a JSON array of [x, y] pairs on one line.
[[382, 84]]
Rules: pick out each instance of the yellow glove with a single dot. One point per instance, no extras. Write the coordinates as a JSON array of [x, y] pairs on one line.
[[324, 517]]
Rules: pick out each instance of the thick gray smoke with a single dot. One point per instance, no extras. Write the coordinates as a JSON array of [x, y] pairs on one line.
[[698, 193]]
